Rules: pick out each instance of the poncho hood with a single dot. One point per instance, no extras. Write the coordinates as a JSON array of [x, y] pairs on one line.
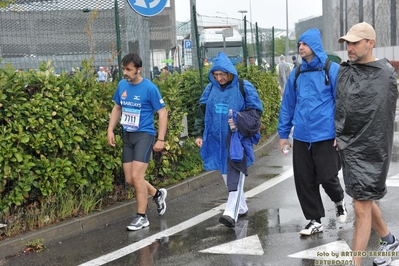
[[222, 63]]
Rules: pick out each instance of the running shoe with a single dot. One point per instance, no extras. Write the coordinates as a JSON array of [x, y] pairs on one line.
[[138, 223], [312, 228]]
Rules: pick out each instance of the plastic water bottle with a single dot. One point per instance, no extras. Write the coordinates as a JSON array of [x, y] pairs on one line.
[[286, 149], [232, 128]]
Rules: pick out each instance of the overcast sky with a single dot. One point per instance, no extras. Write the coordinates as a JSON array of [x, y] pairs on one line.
[[267, 13]]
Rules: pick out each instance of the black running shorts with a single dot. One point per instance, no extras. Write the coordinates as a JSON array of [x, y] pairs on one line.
[[137, 146]]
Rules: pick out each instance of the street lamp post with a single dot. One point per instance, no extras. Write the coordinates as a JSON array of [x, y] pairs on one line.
[[242, 13], [227, 19], [242, 17]]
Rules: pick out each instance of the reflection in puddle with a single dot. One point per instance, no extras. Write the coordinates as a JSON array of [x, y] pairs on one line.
[[146, 254], [281, 220]]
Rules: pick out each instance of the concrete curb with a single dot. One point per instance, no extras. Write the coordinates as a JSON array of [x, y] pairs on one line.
[[76, 226]]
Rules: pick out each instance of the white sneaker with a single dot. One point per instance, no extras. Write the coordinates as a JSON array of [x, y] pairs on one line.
[[312, 228], [160, 201], [138, 223], [340, 212], [387, 248]]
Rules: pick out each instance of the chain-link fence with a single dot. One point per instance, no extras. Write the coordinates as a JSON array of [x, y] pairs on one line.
[[70, 31], [256, 45]]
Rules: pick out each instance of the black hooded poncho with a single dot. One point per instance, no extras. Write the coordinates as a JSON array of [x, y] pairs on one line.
[[364, 123]]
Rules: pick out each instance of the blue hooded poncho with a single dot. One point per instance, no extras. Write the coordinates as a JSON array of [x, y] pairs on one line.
[[218, 101], [310, 108]]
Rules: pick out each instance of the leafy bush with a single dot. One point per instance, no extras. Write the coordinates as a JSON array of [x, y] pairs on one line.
[[54, 144], [53, 135]]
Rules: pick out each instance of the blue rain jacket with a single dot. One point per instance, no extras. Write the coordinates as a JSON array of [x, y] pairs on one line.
[[310, 109], [218, 101]]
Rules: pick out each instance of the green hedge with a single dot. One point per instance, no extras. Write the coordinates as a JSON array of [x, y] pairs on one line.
[[53, 135], [53, 132]]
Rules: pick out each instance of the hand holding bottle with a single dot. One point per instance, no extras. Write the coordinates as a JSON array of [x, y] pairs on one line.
[[233, 126]]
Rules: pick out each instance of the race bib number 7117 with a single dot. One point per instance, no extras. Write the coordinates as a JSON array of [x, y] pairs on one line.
[[130, 118]]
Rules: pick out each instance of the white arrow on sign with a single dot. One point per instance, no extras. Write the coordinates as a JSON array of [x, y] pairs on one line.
[[245, 246], [154, 3], [140, 3]]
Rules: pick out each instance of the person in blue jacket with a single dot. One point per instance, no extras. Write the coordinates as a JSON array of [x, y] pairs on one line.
[[214, 130], [309, 108]]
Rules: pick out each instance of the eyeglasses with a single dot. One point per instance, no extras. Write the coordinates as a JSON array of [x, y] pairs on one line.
[[223, 75]]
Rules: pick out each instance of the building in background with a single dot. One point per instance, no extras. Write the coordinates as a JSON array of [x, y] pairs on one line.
[[340, 15], [69, 31]]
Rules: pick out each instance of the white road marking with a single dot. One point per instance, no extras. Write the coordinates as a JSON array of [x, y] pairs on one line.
[[184, 225], [247, 246], [393, 181], [330, 251]]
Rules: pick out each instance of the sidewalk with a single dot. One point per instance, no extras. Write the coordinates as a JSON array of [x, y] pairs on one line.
[[76, 226]]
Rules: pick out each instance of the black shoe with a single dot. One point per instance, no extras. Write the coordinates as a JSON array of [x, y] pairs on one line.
[[227, 221], [242, 214]]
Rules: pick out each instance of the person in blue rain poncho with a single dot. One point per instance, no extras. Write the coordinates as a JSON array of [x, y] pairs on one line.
[[309, 108], [213, 128]]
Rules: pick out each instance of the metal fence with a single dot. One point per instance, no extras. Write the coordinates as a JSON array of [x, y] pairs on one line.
[[70, 31], [257, 42]]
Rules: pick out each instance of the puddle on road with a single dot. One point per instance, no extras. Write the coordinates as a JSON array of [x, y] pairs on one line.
[[278, 217], [267, 176]]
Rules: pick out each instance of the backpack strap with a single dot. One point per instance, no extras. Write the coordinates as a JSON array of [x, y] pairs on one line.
[[326, 68], [297, 72], [241, 86]]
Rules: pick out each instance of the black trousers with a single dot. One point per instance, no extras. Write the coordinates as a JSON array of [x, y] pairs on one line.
[[316, 164]]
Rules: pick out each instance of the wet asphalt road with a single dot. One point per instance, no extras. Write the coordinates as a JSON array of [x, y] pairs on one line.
[[190, 234]]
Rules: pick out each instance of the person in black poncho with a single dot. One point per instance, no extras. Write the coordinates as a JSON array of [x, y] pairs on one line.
[[364, 121]]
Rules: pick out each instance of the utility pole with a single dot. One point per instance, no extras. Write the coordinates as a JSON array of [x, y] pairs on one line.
[[193, 36], [287, 47], [252, 32]]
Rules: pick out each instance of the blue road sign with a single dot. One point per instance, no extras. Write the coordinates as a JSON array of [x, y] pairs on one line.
[[148, 8], [188, 44]]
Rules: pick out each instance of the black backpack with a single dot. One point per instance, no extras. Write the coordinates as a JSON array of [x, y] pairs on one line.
[[326, 69]]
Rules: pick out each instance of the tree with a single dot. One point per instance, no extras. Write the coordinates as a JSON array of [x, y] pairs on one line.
[[6, 3], [279, 46]]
